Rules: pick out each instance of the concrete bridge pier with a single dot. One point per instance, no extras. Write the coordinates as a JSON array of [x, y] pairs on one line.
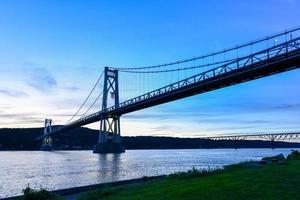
[[109, 137], [47, 140], [109, 147]]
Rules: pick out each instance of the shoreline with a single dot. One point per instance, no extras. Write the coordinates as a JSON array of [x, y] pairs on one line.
[[78, 190], [161, 149], [232, 173]]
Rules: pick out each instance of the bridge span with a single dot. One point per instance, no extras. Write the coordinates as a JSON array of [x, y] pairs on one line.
[[268, 60], [259, 136]]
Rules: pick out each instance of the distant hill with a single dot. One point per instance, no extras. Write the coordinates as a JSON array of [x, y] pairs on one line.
[[84, 138]]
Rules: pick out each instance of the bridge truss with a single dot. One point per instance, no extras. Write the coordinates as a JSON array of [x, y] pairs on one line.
[[276, 59], [272, 137], [260, 136], [254, 63]]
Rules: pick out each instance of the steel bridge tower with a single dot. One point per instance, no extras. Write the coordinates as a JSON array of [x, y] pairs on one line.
[[47, 140], [109, 136]]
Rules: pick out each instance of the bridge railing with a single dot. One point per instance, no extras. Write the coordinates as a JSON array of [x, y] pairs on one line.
[[292, 43], [239, 63], [139, 80]]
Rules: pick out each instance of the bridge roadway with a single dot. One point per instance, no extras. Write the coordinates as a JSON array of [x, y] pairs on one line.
[[262, 136], [277, 59]]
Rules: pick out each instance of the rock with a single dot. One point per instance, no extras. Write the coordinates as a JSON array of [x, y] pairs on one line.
[[246, 164], [279, 157]]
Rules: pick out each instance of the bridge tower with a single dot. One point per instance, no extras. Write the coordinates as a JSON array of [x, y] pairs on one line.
[[47, 140], [109, 136]]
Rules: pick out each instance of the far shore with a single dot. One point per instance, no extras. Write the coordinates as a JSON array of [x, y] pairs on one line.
[[166, 149]]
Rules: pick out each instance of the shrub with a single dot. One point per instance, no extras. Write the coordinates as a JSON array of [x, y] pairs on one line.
[[295, 155], [194, 172], [42, 194]]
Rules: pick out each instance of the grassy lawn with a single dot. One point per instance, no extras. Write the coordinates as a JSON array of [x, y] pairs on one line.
[[275, 181]]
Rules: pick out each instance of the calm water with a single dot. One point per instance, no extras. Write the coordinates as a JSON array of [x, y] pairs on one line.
[[65, 169]]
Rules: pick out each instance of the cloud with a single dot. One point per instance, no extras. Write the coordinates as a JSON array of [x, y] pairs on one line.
[[165, 115], [255, 107], [20, 118], [41, 80], [22, 123], [233, 120], [145, 116], [293, 2], [70, 88], [168, 128], [287, 106], [38, 77], [20, 115], [12, 93]]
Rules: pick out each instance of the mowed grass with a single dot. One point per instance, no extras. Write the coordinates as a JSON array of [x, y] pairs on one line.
[[275, 181]]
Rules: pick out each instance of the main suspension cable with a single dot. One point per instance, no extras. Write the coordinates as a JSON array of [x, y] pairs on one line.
[[181, 69], [97, 98], [213, 53], [86, 99]]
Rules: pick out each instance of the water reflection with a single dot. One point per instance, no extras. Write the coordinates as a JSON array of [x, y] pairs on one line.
[[109, 167]]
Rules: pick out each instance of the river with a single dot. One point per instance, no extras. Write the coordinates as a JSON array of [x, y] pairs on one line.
[[66, 169]]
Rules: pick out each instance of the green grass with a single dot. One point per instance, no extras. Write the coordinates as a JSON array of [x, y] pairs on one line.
[[273, 181]]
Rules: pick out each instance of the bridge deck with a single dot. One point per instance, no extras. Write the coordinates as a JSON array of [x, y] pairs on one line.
[[277, 59]]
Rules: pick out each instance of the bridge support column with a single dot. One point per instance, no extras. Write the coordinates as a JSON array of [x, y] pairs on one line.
[[235, 143], [47, 140], [272, 138], [272, 144], [110, 135]]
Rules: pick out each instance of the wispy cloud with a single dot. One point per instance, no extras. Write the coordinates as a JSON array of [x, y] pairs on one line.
[[161, 115], [70, 88], [145, 116], [20, 118], [233, 119], [228, 114], [287, 106], [12, 93], [39, 77], [293, 2], [169, 128]]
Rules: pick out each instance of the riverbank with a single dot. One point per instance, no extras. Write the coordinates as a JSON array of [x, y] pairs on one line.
[[270, 178], [272, 181], [76, 191]]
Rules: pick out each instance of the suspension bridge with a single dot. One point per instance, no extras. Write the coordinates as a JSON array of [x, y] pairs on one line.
[[129, 89]]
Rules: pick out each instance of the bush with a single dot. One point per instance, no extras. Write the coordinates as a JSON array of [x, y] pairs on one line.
[[42, 194], [295, 155], [195, 173]]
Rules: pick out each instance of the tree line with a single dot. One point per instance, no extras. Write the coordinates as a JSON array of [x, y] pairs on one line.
[[84, 138]]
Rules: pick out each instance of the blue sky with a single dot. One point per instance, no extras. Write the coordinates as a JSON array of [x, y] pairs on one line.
[[53, 51]]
